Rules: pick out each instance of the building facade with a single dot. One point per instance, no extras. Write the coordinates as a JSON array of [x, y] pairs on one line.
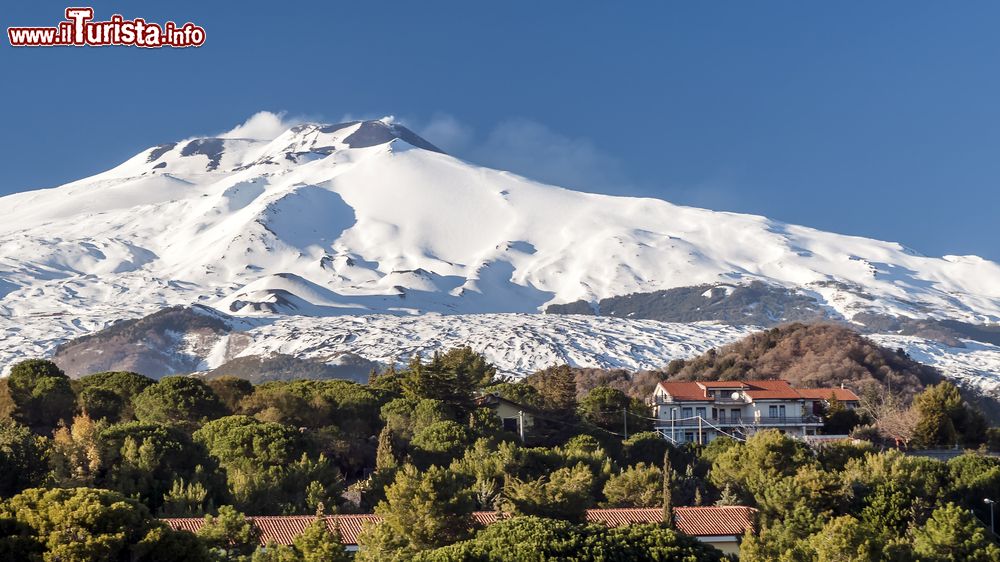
[[698, 412]]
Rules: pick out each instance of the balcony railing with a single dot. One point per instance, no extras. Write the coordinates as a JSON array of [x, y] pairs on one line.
[[740, 422]]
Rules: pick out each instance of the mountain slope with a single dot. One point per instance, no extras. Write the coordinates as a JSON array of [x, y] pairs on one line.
[[342, 222], [367, 217]]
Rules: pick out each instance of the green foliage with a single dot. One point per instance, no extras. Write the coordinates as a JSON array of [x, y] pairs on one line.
[[517, 392], [231, 391], [839, 419], [405, 416], [84, 524], [951, 534], [748, 468], [605, 407], [229, 535], [186, 499], [845, 539], [835, 455], [244, 442], [974, 478], [647, 446], [23, 458], [945, 419], [564, 494], [557, 388], [440, 442], [897, 491], [267, 465], [453, 377], [318, 543], [179, 400], [100, 403], [534, 539], [422, 510], [41, 394], [146, 460], [349, 406], [637, 486], [95, 399]]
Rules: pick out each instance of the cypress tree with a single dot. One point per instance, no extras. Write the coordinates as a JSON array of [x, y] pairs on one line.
[[668, 507]]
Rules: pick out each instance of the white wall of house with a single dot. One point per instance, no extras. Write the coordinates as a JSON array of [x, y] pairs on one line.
[[728, 412]]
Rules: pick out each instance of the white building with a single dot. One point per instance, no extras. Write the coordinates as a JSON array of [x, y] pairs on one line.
[[701, 411]]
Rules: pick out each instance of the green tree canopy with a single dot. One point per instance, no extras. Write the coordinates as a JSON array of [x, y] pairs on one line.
[[952, 534], [535, 539], [422, 510], [177, 399], [945, 419], [96, 390], [23, 458], [231, 391], [636, 486], [85, 524], [41, 394], [567, 493]]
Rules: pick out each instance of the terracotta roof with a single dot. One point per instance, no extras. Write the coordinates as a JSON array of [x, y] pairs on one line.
[[842, 394], [771, 389], [684, 390], [767, 389], [722, 384], [714, 521], [694, 521]]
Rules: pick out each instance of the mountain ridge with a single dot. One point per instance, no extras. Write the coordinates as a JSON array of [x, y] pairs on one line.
[[367, 218]]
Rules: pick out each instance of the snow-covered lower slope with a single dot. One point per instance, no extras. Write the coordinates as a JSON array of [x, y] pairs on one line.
[[366, 217], [975, 365], [517, 344]]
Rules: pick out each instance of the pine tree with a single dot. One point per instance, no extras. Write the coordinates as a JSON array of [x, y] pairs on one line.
[[384, 457], [668, 507], [319, 543]]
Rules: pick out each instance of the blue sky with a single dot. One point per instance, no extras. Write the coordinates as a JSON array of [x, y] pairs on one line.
[[877, 119]]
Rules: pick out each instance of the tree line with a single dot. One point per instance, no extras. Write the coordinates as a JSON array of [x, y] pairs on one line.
[[87, 465]]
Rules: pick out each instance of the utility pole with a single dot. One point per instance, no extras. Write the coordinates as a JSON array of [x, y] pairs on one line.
[[700, 438], [520, 424], [625, 421], [991, 502]]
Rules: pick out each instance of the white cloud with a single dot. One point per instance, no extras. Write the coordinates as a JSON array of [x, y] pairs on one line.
[[263, 125], [447, 133], [530, 149]]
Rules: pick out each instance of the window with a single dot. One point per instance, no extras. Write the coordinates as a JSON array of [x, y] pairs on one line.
[[735, 414], [685, 412], [781, 412], [689, 437], [700, 412], [510, 424], [722, 415], [772, 411]]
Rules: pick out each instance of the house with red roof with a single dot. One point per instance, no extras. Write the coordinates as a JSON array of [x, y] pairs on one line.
[[720, 526], [700, 411]]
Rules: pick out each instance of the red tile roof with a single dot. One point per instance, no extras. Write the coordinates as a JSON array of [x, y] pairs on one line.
[[842, 394], [684, 390], [694, 521], [722, 384], [771, 389], [768, 389]]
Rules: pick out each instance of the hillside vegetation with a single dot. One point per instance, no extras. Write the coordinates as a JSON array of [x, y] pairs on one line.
[[809, 356]]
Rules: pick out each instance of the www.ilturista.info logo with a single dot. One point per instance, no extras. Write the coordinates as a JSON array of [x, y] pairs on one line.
[[80, 30]]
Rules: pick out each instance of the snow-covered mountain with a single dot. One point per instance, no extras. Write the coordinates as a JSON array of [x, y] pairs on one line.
[[368, 218]]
